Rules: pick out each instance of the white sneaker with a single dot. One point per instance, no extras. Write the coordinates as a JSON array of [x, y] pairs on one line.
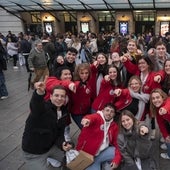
[[165, 156], [162, 140], [163, 146], [53, 162], [4, 97], [15, 68]]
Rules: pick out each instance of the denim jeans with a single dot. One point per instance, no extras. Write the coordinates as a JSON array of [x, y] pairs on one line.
[[167, 124], [3, 89], [168, 149], [106, 155]]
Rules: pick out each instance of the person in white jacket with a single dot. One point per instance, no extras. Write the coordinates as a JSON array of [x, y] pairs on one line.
[[12, 51]]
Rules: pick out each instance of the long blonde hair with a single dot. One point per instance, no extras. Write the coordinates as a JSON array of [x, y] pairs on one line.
[[78, 68], [152, 107]]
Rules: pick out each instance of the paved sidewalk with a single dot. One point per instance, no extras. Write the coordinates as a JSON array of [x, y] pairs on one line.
[[13, 113]]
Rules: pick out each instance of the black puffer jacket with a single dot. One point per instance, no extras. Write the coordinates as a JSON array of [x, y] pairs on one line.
[[43, 129]]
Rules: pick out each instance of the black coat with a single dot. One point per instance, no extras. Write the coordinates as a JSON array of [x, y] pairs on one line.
[[43, 129], [3, 64]]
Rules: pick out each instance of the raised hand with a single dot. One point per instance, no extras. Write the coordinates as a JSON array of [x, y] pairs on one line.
[[123, 59], [157, 78], [72, 87], [85, 122], [117, 92], [40, 86], [151, 52], [143, 130], [96, 64], [107, 78], [162, 111]]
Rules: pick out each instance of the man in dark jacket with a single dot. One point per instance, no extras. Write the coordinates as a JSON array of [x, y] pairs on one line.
[[25, 48], [43, 136], [3, 66], [70, 58]]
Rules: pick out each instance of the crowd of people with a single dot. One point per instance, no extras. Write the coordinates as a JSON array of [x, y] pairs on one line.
[[108, 84]]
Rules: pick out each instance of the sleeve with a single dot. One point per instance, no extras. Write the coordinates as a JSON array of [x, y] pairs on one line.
[[125, 92], [54, 82], [37, 104], [91, 117], [146, 124], [161, 73], [118, 157], [131, 68], [122, 146], [167, 105], [104, 85], [30, 59], [162, 125], [93, 69], [144, 143]]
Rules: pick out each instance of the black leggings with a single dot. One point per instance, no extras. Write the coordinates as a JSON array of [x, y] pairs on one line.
[[152, 123], [15, 59]]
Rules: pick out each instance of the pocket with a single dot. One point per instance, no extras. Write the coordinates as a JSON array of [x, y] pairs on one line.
[[43, 137]]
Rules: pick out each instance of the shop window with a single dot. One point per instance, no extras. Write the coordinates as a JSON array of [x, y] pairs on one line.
[[84, 27], [35, 17]]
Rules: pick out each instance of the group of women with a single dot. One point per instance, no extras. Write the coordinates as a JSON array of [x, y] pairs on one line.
[[132, 85]]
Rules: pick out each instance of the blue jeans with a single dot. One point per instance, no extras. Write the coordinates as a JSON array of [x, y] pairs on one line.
[[106, 155], [168, 149], [3, 89], [167, 124]]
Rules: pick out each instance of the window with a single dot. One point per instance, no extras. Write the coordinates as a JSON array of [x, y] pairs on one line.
[[144, 15], [35, 17]]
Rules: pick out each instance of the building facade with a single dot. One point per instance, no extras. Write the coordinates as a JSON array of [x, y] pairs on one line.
[[123, 21]]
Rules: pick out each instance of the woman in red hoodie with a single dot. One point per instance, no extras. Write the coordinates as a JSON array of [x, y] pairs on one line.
[[160, 108], [80, 101], [106, 94], [132, 99], [163, 76], [144, 69]]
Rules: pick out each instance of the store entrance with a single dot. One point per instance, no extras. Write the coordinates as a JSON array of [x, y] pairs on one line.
[[106, 26], [144, 27], [71, 27], [36, 28]]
